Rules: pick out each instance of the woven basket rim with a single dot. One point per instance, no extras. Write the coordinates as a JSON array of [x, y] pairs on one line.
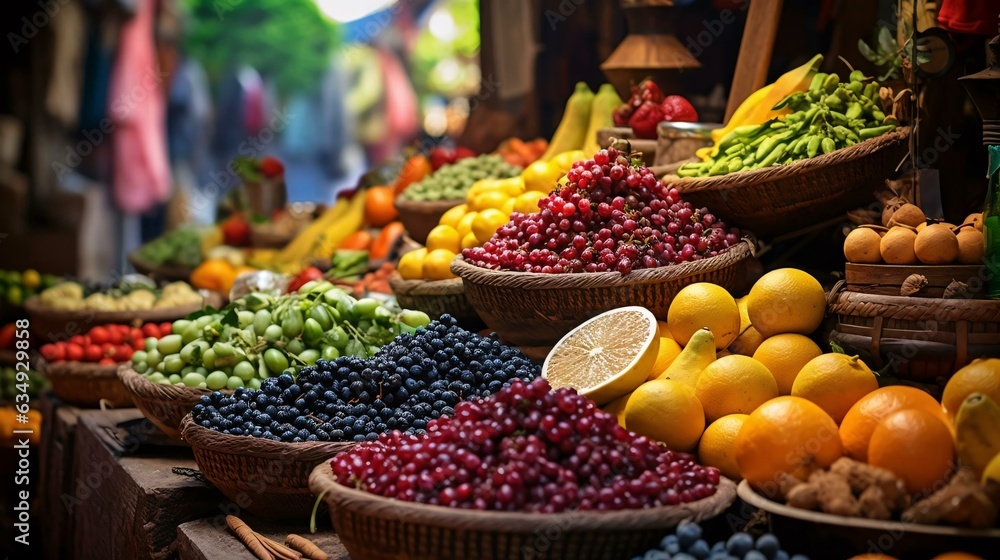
[[426, 206], [749, 495], [776, 172], [142, 388], [75, 369], [321, 481], [420, 287], [844, 302], [218, 442], [37, 310], [537, 280]]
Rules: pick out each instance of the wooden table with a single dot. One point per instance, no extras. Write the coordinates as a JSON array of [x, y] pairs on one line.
[[126, 501], [208, 539], [55, 481]]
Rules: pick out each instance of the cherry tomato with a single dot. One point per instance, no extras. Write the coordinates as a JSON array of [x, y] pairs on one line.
[[138, 342], [92, 353], [151, 330], [99, 335], [74, 352], [78, 339], [114, 336], [135, 332], [123, 353], [105, 361], [166, 328], [53, 353]]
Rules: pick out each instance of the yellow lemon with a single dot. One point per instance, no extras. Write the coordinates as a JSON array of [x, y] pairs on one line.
[[527, 203], [454, 215], [734, 384], [669, 350], [541, 176], [478, 188], [437, 264], [490, 199], [667, 411], [747, 343], [411, 265], [565, 160], [513, 186], [487, 222], [717, 447], [617, 408], [508, 207], [470, 241], [704, 304], [784, 355], [834, 382], [786, 300], [465, 224], [31, 279], [664, 330], [444, 237], [607, 356]]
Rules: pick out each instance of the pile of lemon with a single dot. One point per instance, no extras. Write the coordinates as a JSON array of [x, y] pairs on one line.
[[488, 206]]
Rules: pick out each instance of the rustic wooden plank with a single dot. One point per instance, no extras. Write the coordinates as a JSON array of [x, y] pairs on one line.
[[58, 434], [208, 539], [755, 51], [886, 279], [125, 500]]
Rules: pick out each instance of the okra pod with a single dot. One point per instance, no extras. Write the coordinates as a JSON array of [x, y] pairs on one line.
[[775, 154], [866, 133], [813, 147], [828, 145]]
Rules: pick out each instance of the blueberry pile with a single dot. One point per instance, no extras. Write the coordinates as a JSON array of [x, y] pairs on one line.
[[415, 378], [686, 544]]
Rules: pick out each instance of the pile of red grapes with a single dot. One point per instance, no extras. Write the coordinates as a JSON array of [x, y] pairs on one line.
[[612, 215], [526, 449]]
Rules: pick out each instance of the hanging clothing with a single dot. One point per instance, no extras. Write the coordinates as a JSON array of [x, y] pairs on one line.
[[253, 101], [138, 109], [62, 98], [973, 17], [96, 78]]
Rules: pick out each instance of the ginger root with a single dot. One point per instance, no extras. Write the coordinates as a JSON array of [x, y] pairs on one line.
[[862, 476], [961, 502], [849, 488]]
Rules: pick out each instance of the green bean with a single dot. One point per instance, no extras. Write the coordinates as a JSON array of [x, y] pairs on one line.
[[813, 148], [828, 145], [866, 133]]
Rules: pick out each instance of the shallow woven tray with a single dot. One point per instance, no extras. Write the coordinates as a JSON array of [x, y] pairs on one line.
[[164, 405], [927, 339], [84, 384], [837, 536], [534, 309], [786, 198], [376, 528], [59, 324], [268, 478], [435, 298], [159, 272], [421, 217]]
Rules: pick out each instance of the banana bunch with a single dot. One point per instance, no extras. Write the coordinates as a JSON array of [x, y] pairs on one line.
[[828, 116], [322, 237], [977, 435]]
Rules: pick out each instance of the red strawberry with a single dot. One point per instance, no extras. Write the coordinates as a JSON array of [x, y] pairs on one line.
[[649, 91], [621, 114], [645, 119], [271, 167], [678, 109], [461, 152]]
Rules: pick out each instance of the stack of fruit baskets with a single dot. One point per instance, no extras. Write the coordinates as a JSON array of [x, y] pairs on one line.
[[799, 151], [611, 235], [914, 295], [299, 418]]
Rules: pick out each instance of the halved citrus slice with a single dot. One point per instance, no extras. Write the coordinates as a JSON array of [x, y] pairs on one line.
[[606, 357]]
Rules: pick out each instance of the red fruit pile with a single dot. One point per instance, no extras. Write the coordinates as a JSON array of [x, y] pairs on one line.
[[104, 344], [529, 449], [611, 216], [648, 107]]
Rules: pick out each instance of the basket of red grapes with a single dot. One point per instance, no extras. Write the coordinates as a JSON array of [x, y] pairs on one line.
[[528, 472], [613, 235]]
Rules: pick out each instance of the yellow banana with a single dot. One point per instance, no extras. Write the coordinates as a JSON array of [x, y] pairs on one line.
[[305, 242], [605, 102], [572, 129], [693, 359], [977, 432], [348, 223], [992, 470]]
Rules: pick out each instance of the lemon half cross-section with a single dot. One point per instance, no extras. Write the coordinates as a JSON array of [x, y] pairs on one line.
[[607, 356]]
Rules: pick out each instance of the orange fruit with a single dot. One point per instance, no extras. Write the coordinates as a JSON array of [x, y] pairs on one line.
[[786, 300], [835, 382], [669, 350], [379, 208], [704, 304], [717, 447], [734, 384], [957, 556], [916, 446], [785, 434], [980, 376], [785, 355], [667, 411], [859, 423]]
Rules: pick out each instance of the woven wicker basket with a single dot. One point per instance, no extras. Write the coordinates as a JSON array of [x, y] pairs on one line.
[[376, 528], [421, 217], [926, 339], [268, 478], [164, 405], [84, 384], [786, 198], [838, 536], [166, 273], [435, 298], [58, 324], [529, 309]]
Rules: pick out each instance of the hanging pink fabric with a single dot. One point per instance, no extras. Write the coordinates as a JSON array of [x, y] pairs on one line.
[[137, 106], [253, 101]]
